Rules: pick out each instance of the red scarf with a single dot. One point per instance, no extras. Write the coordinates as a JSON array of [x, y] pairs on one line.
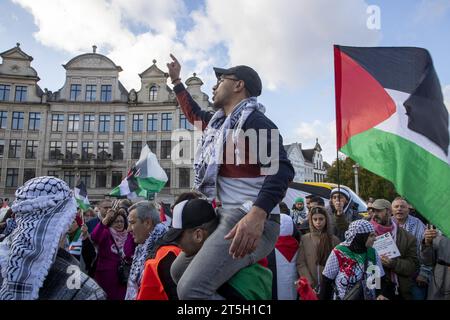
[[380, 229]]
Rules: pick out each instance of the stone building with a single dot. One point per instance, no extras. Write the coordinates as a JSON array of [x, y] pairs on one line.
[[308, 163], [92, 128]]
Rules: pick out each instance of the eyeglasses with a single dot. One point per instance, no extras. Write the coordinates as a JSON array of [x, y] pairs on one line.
[[222, 79]]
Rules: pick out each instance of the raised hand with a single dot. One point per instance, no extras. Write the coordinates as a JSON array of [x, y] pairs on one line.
[[84, 232], [429, 235], [174, 70]]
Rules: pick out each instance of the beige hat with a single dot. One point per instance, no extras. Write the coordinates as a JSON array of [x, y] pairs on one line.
[[381, 204]]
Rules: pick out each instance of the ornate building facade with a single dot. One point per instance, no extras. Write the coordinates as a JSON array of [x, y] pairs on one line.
[[308, 163], [92, 128]]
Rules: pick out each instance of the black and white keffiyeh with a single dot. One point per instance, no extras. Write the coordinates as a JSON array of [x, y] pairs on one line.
[[210, 151], [44, 210], [356, 227], [140, 255]]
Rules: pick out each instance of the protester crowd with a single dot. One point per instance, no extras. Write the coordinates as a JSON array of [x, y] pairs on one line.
[[139, 251], [232, 239]]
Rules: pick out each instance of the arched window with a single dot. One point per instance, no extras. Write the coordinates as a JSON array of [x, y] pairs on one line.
[[153, 93]]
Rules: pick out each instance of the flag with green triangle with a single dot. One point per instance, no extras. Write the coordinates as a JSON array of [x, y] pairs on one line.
[[144, 178]]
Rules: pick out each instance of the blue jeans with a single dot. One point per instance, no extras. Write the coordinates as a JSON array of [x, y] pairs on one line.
[[199, 277]]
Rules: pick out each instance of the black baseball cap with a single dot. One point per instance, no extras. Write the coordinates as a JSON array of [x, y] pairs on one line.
[[248, 75], [189, 214]]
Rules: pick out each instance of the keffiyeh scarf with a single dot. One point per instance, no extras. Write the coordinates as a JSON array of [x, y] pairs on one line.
[[356, 227], [140, 255], [210, 152], [45, 208]]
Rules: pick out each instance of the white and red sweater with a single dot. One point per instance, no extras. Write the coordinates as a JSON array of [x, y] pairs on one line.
[[237, 184]]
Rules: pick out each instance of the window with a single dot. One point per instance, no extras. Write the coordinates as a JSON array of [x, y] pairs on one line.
[[73, 123], [28, 174], [4, 92], [102, 150], [71, 149], [55, 150], [152, 146], [52, 173], [168, 178], [136, 147], [12, 177], [185, 177], [103, 125], [100, 179], [3, 119], [17, 121], [88, 122], [14, 148], [57, 122], [90, 92], [75, 91], [105, 94], [166, 121], [119, 123], [152, 122], [35, 121], [138, 122], [153, 93], [21, 94], [184, 123], [165, 149], [116, 178], [32, 148], [87, 149], [118, 150], [85, 177], [69, 178], [2, 148]]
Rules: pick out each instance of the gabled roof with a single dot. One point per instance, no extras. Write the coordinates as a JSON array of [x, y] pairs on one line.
[[16, 53], [77, 62], [308, 154], [194, 80], [153, 71]]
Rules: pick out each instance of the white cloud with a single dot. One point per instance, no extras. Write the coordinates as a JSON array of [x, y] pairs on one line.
[[74, 26], [289, 43], [307, 133]]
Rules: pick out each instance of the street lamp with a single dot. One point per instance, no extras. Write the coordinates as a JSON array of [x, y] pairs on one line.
[[355, 171]]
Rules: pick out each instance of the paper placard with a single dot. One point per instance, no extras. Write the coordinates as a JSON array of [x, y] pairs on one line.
[[385, 246]]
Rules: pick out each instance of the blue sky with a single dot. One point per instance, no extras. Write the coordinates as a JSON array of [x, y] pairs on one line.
[[288, 42]]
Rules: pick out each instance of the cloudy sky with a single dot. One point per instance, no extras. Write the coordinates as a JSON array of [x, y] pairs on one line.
[[288, 42]]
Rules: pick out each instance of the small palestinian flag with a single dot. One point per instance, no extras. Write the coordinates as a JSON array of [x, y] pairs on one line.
[[81, 196], [391, 118], [144, 178]]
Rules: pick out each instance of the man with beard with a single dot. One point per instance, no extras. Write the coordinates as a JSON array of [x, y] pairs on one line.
[[229, 167], [399, 270]]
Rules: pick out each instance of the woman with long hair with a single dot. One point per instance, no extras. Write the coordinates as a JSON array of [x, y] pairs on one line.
[[315, 247]]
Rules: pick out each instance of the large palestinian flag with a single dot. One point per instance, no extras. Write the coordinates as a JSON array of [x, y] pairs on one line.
[[391, 118]]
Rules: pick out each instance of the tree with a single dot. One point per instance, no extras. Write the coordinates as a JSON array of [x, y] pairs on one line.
[[370, 184]]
